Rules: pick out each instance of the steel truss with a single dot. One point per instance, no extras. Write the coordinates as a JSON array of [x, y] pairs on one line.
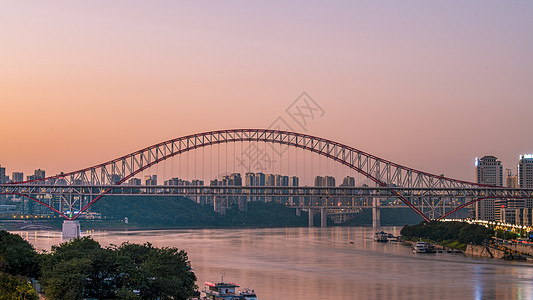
[[433, 190]]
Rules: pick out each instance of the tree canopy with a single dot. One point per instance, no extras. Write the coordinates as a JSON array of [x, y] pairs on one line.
[[443, 231], [12, 287], [17, 256], [82, 268]]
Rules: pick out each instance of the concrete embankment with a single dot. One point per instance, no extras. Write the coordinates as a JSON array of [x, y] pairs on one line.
[[484, 251], [522, 248]]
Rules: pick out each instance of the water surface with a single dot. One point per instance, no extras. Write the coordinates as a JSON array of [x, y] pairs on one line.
[[321, 263]]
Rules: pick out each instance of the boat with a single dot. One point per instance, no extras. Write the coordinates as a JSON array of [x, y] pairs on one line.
[[391, 238], [380, 237], [226, 291], [423, 247]]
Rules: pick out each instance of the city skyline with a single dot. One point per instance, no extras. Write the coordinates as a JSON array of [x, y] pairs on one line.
[[307, 178], [429, 86]]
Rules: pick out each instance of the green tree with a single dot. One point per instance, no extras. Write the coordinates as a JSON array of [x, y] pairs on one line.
[[507, 235], [65, 279], [17, 256], [12, 288], [78, 268], [82, 268], [449, 231], [163, 273]]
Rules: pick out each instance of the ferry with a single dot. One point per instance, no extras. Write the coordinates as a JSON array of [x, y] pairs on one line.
[[380, 237], [423, 247], [226, 291]]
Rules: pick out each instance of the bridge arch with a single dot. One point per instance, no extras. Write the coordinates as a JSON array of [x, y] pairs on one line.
[[382, 172]]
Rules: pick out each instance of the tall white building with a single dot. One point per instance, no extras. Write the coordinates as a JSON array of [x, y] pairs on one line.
[[489, 170]]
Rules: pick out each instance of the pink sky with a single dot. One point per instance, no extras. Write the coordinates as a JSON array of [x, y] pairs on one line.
[[427, 85]]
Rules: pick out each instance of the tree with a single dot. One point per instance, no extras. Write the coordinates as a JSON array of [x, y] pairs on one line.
[[82, 268], [163, 273], [79, 268], [442, 231], [12, 287], [17, 256]]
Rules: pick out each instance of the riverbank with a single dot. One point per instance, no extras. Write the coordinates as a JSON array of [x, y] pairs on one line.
[[439, 248], [473, 239]]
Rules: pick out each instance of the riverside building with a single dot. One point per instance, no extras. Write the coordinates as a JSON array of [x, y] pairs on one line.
[[489, 170]]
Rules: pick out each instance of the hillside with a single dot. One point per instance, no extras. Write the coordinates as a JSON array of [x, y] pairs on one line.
[[177, 211]]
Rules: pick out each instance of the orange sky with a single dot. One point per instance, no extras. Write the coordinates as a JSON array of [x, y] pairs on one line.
[[430, 86]]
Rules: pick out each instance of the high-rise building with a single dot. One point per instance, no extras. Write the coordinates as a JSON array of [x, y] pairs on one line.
[[235, 179], [40, 174], [260, 179], [511, 181], [348, 181], [294, 181], [249, 179], [114, 178], [489, 170], [324, 181], [134, 181], [17, 176], [318, 180], [277, 180], [525, 171], [270, 180], [37, 174], [2, 175], [150, 179]]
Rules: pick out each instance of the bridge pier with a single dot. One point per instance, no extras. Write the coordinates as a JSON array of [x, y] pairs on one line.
[[71, 229], [310, 217], [218, 206], [243, 204], [376, 214], [323, 217], [298, 212]]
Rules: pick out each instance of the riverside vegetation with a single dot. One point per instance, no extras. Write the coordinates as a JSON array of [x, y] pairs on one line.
[[452, 234], [82, 268], [177, 211]]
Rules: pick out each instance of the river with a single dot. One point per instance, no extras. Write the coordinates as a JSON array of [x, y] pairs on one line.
[[326, 263]]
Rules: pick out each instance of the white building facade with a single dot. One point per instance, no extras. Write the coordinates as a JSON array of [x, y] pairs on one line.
[[489, 170]]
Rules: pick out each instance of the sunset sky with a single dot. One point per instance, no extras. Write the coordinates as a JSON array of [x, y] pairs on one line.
[[427, 84]]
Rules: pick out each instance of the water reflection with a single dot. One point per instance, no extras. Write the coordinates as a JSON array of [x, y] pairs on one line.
[[316, 263]]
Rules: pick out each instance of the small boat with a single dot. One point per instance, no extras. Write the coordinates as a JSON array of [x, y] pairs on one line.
[[392, 238], [380, 237], [226, 291]]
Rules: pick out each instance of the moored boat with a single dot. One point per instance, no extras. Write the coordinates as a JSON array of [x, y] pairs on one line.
[[226, 291], [392, 238], [423, 247], [380, 237]]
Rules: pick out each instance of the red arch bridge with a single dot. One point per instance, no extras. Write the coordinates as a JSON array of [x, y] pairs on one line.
[[430, 196]]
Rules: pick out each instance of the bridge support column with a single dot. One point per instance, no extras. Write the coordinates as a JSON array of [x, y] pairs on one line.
[[298, 212], [71, 229], [310, 217], [376, 213], [218, 206], [243, 204], [323, 217]]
